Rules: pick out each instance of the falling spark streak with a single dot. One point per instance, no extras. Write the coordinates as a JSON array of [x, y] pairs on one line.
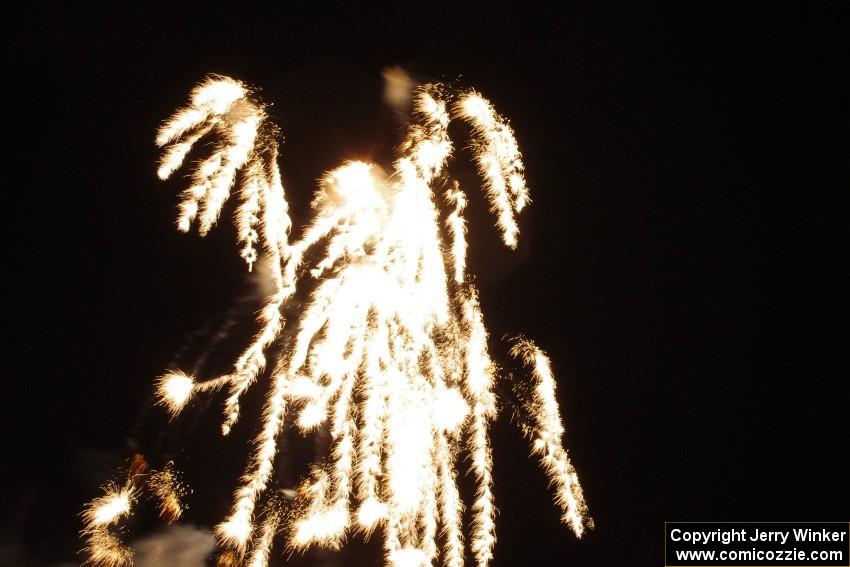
[[547, 432], [499, 162], [389, 352], [457, 230], [262, 549]]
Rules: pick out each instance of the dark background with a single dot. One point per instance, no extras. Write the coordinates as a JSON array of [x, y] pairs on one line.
[[681, 261]]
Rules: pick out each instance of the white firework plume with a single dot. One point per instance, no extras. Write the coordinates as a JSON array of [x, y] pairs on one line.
[[389, 353]]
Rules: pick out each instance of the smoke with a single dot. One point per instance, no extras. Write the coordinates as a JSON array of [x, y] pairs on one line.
[[176, 546], [398, 90]]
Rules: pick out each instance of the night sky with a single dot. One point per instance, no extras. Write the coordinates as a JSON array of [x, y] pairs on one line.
[[680, 262]]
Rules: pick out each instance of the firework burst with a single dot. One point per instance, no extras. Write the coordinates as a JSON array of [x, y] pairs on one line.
[[389, 353]]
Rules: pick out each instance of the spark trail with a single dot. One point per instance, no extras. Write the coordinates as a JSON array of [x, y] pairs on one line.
[[389, 353]]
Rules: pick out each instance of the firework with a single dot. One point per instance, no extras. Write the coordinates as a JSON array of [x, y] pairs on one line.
[[101, 518], [168, 491], [389, 352]]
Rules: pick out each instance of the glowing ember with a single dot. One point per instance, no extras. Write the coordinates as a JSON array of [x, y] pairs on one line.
[[389, 353], [169, 492]]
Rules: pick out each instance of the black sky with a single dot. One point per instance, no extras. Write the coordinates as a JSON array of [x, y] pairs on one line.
[[681, 261]]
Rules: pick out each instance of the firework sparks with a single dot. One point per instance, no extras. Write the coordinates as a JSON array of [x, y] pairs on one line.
[[389, 352], [102, 516], [100, 519], [547, 432], [169, 492]]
